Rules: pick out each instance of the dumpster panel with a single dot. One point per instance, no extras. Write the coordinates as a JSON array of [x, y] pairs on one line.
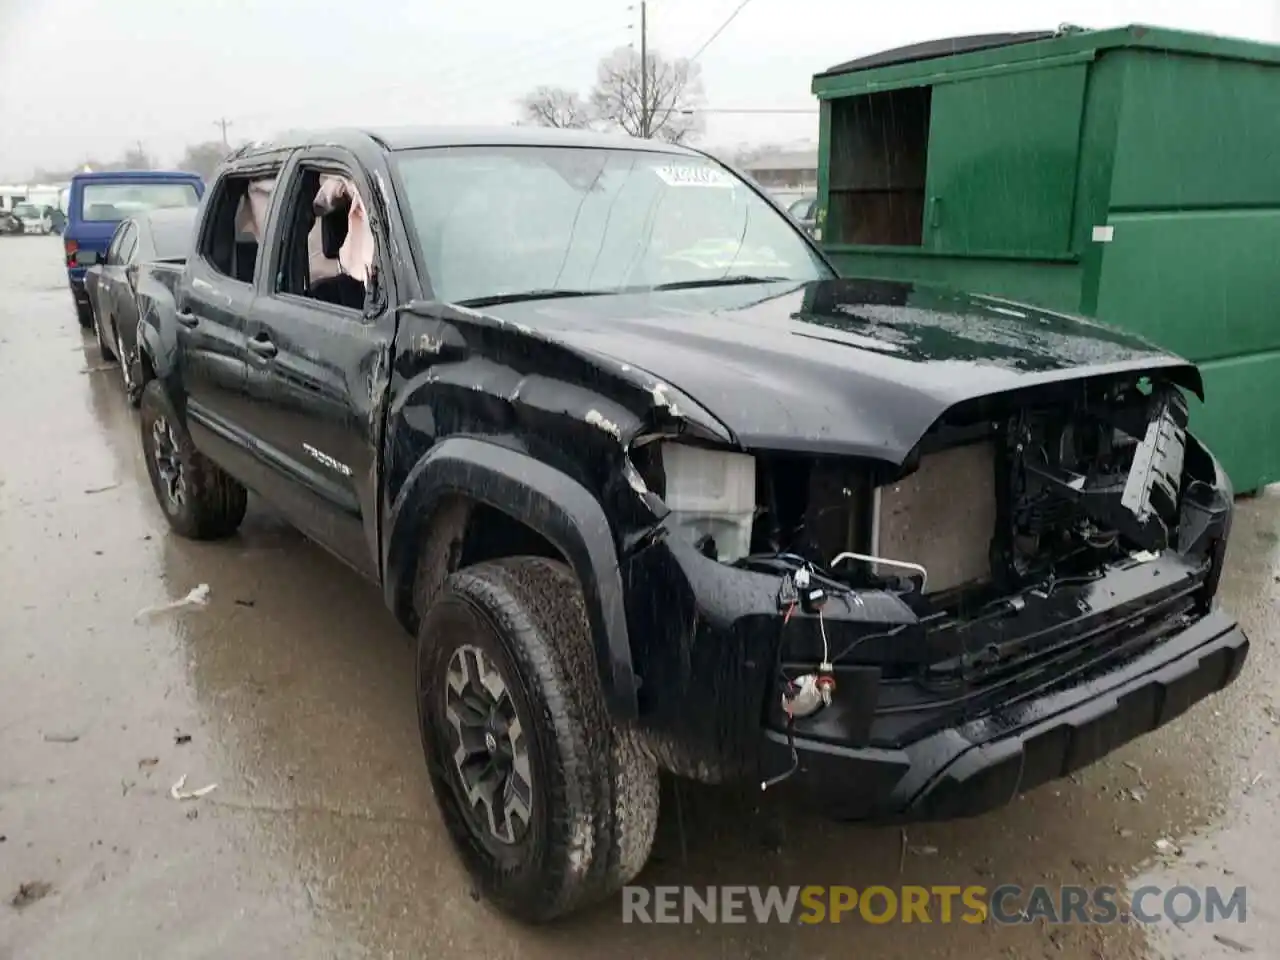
[[1002, 163], [1202, 283], [1240, 419], [1196, 132]]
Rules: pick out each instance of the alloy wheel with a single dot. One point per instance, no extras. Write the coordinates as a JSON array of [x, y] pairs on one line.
[[490, 752], [164, 450], [125, 373]]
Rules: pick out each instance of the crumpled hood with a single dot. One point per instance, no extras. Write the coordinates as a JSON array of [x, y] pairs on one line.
[[859, 368]]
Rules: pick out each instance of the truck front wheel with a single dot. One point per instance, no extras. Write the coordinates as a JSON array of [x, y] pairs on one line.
[[199, 499], [550, 805]]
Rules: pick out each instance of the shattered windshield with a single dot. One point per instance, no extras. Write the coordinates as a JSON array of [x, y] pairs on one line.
[[500, 221]]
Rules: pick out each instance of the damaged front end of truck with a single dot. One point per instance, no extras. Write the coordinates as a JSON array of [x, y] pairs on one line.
[[927, 629]]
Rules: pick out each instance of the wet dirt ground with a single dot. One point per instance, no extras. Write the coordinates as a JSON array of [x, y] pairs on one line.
[[322, 840]]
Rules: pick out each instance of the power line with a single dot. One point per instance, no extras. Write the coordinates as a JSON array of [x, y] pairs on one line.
[[223, 122], [794, 110], [523, 59], [720, 29]]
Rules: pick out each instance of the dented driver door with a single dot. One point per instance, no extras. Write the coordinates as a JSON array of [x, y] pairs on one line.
[[317, 374]]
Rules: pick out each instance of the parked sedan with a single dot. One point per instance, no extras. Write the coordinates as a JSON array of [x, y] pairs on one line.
[[804, 210], [34, 219], [111, 282]]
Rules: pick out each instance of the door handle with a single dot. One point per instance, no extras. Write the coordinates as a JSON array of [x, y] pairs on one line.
[[262, 347], [187, 318]]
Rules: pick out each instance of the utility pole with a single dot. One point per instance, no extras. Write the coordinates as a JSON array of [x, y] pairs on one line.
[[644, 71], [223, 122]]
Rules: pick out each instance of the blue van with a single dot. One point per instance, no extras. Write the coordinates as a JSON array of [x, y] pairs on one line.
[[96, 204]]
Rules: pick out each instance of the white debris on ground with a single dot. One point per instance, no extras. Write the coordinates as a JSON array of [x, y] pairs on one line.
[[178, 793], [198, 597]]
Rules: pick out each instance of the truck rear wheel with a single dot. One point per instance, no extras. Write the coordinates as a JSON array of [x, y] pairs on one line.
[[198, 498], [549, 804], [84, 314]]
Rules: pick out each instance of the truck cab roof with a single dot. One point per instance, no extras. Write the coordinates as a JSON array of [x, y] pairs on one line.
[[423, 137]]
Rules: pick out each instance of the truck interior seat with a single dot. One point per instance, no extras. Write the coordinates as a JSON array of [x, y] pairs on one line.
[[244, 257], [342, 289]]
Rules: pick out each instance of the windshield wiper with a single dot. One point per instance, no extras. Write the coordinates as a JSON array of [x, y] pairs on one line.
[[737, 279], [549, 294]]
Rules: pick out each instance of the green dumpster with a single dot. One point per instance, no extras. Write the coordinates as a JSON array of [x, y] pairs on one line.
[[1131, 174]]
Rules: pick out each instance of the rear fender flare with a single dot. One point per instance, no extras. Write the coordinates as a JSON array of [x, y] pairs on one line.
[[549, 502], [157, 341]]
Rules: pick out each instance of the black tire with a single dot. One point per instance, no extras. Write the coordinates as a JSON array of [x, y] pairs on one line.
[[594, 792], [84, 313], [211, 503]]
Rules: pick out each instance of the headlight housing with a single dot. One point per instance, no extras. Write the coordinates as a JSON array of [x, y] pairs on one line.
[[711, 493]]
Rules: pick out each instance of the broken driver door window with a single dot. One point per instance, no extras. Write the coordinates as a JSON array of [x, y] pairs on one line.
[[329, 251]]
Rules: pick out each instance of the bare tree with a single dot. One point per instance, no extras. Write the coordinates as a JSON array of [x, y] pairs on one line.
[[667, 108], [555, 107], [204, 158], [135, 159]]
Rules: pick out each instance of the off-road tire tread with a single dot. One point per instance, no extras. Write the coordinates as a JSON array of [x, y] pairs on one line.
[[215, 501], [603, 785]]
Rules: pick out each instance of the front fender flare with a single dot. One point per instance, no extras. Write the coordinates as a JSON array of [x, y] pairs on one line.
[[549, 502]]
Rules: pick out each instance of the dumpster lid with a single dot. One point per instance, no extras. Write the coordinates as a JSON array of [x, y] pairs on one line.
[[937, 48]]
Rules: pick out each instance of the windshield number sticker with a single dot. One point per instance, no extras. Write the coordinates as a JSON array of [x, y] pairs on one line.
[[688, 176]]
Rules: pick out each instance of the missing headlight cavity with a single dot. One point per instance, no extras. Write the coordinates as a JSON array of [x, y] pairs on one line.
[[712, 498], [813, 508]]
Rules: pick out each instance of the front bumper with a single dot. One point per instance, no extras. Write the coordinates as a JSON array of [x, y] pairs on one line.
[[976, 766], [925, 722]]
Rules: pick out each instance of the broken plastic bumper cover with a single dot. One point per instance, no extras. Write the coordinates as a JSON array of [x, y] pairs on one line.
[[925, 719], [984, 763]]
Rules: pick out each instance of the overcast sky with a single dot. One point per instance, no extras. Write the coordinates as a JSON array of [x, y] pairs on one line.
[[81, 78]]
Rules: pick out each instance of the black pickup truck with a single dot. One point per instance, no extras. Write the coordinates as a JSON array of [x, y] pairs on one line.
[[654, 489]]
